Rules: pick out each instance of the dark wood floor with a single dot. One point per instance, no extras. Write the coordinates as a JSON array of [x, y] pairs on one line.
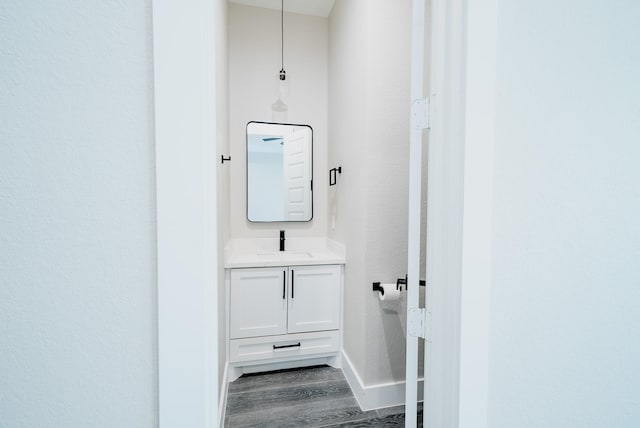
[[308, 397]]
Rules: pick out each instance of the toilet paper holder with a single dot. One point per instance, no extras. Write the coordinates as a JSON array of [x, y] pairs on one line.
[[377, 287], [403, 281], [399, 283]]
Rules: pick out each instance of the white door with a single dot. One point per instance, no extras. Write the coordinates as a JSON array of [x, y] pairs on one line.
[[258, 302], [314, 298], [297, 175]]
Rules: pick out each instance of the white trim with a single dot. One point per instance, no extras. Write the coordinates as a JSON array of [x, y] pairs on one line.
[[378, 396], [444, 212], [224, 393], [415, 196], [477, 215], [184, 96]]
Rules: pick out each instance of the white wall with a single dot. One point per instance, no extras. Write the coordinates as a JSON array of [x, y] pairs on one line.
[[564, 295], [347, 133], [77, 215], [369, 57], [387, 141], [254, 62]]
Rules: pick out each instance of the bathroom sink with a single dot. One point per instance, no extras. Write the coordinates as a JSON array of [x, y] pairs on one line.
[[263, 252], [287, 254]]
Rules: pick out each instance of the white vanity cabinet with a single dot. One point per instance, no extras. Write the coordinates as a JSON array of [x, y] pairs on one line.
[[296, 299], [258, 302], [284, 313], [314, 299]]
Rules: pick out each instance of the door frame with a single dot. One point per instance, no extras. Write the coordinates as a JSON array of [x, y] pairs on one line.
[[185, 144], [184, 73], [444, 217], [459, 217], [477, 215], [445, 205]]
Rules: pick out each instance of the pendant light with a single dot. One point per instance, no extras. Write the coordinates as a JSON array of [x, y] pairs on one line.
[[279, 109]]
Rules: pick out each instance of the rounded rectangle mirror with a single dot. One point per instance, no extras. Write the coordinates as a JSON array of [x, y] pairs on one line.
[[279, 172]]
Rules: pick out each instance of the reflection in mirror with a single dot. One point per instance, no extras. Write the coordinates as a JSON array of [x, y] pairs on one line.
[[279, 172]]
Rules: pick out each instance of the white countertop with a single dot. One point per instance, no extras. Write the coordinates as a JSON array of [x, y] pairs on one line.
[[263, 252]]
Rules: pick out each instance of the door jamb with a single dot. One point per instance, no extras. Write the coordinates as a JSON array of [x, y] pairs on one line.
[[185, 135]]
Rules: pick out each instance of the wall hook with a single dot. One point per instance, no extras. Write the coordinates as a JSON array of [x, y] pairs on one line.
[[333, 175], [228, 159]]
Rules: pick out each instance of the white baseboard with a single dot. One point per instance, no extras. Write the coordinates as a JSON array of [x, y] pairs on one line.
[[375, 396], [224, 392]]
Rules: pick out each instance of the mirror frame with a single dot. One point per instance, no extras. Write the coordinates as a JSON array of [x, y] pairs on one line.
[[246, 187]]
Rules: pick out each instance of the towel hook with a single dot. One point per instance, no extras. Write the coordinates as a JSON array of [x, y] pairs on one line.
[[333, 175]]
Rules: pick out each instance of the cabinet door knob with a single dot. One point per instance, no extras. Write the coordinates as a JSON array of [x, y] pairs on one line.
[[292, 282]]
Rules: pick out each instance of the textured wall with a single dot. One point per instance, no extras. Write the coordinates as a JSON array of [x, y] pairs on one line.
[[347, 136], [565, 300], [369, 57], [254, 62], [389, 48], [77, 215]]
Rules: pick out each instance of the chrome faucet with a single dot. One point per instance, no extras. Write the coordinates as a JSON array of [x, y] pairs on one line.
[[282, 240]]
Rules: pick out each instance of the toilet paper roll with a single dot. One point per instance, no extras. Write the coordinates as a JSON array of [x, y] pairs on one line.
[[391, 294]]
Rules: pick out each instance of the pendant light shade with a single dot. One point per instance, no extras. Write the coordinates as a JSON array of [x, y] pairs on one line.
[[279, 109]]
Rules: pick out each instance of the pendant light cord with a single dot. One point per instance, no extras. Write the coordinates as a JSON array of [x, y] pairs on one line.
[[282, 36]]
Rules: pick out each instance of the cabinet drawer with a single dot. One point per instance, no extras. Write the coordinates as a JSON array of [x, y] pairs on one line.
[[284, 346]]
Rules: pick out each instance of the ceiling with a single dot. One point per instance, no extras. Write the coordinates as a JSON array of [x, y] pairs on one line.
[[305, 7]]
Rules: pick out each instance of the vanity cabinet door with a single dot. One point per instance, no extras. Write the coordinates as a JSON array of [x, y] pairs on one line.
[[258, 302], [314, 298]]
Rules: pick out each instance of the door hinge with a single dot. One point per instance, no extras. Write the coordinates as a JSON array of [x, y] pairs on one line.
[[419, 321], [421, 113]]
